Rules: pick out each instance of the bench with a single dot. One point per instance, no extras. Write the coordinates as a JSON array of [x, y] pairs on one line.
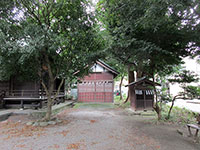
[[194, 126]]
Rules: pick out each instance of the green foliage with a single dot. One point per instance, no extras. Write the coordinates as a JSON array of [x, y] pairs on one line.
[[47, 40], [150, 35], [115, 63], [192, 91], [63, 31], [184, 76]]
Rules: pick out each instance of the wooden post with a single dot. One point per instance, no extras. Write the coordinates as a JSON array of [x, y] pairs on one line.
[[22, 104], [144, 99], [196, 134], [190, 133], [40, 103]]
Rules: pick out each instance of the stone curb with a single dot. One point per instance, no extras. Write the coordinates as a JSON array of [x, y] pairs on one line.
[[5, 115], [55, 109], [38, 114]]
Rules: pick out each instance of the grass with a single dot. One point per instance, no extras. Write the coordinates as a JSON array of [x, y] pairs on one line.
[[179, 115], [94, 105], [119, 102]]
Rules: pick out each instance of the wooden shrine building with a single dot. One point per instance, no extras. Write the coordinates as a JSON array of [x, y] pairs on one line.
[[98, 86], [142, 94], [16, 93]]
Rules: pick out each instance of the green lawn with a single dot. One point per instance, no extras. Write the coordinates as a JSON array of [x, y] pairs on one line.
[[117, 103]]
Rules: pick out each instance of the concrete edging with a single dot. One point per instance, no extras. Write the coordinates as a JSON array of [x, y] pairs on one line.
[[5, 115], [55, 110]]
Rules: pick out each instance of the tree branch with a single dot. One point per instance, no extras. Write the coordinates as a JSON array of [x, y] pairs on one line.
[[58, 90], [31, 11]]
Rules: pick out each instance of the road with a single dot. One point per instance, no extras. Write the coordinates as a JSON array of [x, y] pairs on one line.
[[193, 105]]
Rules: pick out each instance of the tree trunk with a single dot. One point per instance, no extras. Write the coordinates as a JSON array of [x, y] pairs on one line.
[[158, 111], [51, 97], [120, 87], [49, 109], [171, 107], [131, 78], [49, 100], [127, 98], [169, 112], [156, 106]]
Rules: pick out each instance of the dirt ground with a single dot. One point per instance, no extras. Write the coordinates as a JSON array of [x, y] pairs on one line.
[[94, 129]]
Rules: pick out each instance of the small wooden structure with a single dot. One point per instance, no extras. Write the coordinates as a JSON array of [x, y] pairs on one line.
[[194, 126], [98, 86], [142, 94], [25, 93]]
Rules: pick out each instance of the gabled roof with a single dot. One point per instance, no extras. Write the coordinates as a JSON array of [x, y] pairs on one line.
[[103, 64], [109, 68], [141, 80]]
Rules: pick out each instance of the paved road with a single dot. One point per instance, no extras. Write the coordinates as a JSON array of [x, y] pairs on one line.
[[193, 105], [93, 129]]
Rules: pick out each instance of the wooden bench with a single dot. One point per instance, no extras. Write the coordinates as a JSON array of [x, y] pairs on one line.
[[194, 126]]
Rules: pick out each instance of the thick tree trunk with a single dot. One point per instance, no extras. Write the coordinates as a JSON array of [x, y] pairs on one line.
[[50, 99], [49, 109], [158, 111], [120, 87], [131, 78]]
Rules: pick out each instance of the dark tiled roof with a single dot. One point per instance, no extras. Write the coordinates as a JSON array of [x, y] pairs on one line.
[[143, 79]]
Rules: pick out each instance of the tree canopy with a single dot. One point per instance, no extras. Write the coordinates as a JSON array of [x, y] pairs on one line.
[[46, 40], [152, 36]]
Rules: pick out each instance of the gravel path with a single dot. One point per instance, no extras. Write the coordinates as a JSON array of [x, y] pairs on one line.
[[93, 129]]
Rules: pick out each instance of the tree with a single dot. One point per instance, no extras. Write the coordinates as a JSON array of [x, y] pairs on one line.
[[121, 68], [182, 77], [149, 36], [55, 39]]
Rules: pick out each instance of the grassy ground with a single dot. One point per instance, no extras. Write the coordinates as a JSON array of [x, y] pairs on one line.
[[117, 103], [179, 115], [120, 103], [94, 105]]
